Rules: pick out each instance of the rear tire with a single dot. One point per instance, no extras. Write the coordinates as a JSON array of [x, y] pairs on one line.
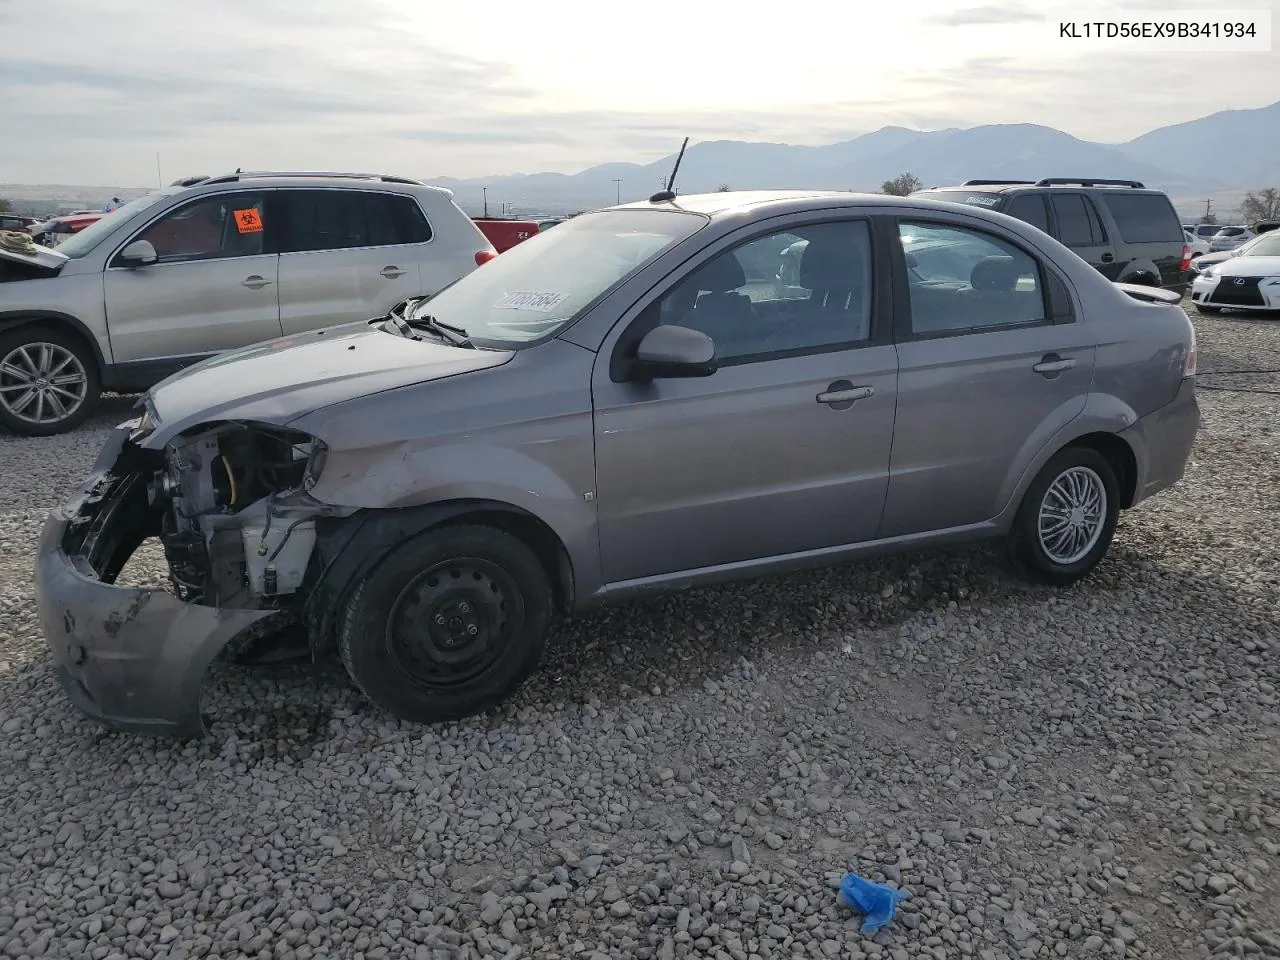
[[1067, 518], [49, 381], [449, 625]]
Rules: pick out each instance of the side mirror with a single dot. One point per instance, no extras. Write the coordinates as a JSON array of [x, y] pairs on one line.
[[140, 253], [669, 350]]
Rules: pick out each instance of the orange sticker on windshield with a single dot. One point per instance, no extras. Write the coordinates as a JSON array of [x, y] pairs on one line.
[[249, 221]]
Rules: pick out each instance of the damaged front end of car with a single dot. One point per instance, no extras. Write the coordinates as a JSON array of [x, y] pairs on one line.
[[229, 503]]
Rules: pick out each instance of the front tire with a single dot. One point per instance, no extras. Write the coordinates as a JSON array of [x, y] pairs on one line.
[[49, 381], [449, 625], [1067, 518]]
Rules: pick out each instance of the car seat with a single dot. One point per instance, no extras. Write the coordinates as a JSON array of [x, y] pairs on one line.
[[839, 305], [719, 310]]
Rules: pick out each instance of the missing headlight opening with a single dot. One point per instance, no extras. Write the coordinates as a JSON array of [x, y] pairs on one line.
[[236, 526]]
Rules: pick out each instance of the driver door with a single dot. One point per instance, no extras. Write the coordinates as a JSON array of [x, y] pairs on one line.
[[768, 456], [213, 286]]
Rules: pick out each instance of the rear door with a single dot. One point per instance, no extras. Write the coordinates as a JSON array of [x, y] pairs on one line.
[[212, 288], [1076, 224], [991, 364], [347, 255]]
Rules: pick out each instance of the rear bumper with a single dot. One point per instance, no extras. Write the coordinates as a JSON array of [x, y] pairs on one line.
[[133, 659], [1163, 440]]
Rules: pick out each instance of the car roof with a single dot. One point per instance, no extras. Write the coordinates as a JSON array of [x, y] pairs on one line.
[[999, 187], [726, 203], [303, 178]]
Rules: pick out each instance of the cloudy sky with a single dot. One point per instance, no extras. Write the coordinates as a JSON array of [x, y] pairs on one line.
[[94, 90]]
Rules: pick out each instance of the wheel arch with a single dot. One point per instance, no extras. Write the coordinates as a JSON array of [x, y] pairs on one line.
[[1119, 454], [348, 548], [17, 319]]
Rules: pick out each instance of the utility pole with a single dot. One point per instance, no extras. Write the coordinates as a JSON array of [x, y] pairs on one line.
[[159, 179], [485, 193], [1208, 211], [617, 181]]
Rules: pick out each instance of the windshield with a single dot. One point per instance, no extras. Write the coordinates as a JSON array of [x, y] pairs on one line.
[[1264, 245], [78, 244], [538, 286]]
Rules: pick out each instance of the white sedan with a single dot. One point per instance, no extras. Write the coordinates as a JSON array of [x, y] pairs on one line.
[[1250, 282]]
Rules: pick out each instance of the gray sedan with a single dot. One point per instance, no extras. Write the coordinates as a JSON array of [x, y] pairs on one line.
[[647, 398]]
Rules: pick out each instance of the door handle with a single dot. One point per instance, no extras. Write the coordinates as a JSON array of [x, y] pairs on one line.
[[255, 282], [1107, 258], [843, 394], [391, 272], [1053, 364]]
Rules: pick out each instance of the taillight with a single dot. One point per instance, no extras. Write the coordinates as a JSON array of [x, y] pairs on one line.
[[1189, 364], [1186, 258], [484, 256]]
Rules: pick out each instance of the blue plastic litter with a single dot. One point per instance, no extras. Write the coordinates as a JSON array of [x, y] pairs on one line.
[[876, 900]]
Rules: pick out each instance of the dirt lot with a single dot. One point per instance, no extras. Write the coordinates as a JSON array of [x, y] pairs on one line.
[[1088, 772]]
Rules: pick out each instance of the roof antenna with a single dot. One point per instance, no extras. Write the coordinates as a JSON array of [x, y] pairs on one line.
[[669, 193]]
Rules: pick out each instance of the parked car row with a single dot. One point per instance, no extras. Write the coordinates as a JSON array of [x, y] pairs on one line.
[[1246, 278], [628, 403]]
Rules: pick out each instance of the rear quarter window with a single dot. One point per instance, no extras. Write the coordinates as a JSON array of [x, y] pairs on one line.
[[1144, 217]]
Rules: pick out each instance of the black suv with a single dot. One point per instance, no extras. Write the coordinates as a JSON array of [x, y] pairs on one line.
[[1129, 233]]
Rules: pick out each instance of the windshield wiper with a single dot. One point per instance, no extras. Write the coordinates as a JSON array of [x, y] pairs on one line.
[[455, 335]]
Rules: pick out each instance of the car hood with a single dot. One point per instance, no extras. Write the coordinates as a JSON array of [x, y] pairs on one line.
[[1249, 267], [283, 379], [21, 249]]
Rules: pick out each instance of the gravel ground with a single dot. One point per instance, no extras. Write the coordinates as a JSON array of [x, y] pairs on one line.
[[1088, 772]]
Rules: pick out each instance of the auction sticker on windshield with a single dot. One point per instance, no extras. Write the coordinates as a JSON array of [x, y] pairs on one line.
[[541, 302]]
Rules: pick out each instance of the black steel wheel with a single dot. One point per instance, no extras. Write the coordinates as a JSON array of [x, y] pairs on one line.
[[449, 625]]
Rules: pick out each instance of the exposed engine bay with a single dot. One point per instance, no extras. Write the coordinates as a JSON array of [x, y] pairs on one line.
[[236, 523]]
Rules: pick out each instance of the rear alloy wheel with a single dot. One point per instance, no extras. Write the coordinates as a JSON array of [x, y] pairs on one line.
[[48, 381], [449, 625], [1067, 518]]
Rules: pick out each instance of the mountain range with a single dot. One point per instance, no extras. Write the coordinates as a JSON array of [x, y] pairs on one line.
[[1221, 156], [1226, 153]]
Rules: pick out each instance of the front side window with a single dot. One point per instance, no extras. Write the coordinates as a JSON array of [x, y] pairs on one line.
[[1078, 224], [799, 290], [213, 228], [538, 286], [86, 240], [967, 281], [347, 219], [1029, 208]]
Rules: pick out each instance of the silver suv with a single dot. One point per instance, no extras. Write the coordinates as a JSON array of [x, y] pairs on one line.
[[628, 404], [208, 264]]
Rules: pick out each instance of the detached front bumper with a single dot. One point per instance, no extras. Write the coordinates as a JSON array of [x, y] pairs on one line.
[[133, 659]]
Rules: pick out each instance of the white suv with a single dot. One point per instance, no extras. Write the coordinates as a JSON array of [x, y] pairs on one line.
[[208, 264]]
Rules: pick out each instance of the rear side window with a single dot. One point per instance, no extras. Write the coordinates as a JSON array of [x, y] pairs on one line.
[[1029, 208], [966, 281], [1144, 217], [1078, 224], [346, 219]]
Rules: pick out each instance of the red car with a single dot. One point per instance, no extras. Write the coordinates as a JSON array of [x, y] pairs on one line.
[[54, 229], [505, 234]]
